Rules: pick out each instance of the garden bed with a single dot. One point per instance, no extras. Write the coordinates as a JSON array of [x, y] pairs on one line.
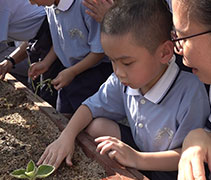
[[28, 124]]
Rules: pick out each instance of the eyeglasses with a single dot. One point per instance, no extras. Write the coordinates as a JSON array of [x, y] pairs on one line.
[[178, 41]]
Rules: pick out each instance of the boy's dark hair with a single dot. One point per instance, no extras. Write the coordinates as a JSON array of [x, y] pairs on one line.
[[149, 21]]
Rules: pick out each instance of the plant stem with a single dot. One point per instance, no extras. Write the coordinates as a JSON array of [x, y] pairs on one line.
[[29, 62]]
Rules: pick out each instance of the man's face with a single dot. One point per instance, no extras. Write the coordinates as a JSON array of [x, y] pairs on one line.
[[196, 51], [134, 65], [42, 2]]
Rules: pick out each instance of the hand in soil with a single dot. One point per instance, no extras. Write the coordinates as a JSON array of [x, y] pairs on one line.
[[57, 151]]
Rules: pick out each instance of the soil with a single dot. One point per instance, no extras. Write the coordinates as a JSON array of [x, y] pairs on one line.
[[24, 134]]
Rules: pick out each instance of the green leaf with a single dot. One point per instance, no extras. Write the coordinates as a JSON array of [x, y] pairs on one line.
[[30, 166], [19, 173], [31, 169], [44, 171]]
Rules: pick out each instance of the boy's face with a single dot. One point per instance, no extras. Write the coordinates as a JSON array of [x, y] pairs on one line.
[[42, 2], [133, 64]]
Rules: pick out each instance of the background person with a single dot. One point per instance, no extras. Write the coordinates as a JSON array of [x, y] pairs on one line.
[[19, 21], [193, 40], [77, 44], [22, 21]]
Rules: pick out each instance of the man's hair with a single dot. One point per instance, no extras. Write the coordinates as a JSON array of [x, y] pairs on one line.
[[199, 11], [148, 21]]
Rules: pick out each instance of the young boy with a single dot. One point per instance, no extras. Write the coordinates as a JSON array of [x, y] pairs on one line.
[[147, 87], [76, 42]]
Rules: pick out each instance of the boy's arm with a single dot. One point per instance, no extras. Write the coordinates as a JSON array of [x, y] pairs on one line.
[[50, 57], [89, 61], [63, 147], [18, 55], [41, 67], [159, 161], [67, 75], [80, 120]]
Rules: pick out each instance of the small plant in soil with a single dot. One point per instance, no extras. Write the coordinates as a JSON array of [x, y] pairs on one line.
[[45, 82], [41, 83], [32, 172]]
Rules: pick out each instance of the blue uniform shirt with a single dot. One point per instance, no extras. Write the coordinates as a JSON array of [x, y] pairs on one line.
[[19, 20], [74, 33], [160, 119]]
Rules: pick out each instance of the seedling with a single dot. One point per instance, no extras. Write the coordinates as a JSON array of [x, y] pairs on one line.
[[41, 83], [45, 82], [32, 172], [5, 103]]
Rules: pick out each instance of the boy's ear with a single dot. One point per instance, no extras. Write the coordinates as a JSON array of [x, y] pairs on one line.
[[166, 51]]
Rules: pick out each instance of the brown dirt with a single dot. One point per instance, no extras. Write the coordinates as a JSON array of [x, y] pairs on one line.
[[24, 134]]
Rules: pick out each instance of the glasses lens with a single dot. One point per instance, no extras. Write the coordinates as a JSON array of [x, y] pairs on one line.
[[177, 43], [178, 46]]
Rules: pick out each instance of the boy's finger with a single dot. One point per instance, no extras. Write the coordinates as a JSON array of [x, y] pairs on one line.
[[57, 162], [106, 148], [102, 138], [68, 160], [48, 158], [52, 160], [101, 145], [34, 77], [54, 81], [40, 161], [88, 3], [57, 86], [112, 154], [198, 168]]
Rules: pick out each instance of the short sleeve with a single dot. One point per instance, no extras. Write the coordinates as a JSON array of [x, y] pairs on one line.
[[94, 34], [4, 23], [108, 101]]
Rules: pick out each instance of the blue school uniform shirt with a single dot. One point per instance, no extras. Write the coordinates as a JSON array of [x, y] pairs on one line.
[[19, 20], [160, 119], [74, 33]]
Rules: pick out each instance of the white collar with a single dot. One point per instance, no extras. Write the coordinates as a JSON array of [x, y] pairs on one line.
[[65, 4], [159, 90]]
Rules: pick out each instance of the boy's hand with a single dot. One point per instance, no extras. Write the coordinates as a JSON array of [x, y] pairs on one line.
[[56, 152], [37, 69], [118, 150], [63, 78], [98, 8], [5, 67]]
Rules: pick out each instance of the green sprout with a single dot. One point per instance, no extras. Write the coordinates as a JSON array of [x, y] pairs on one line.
[[45, 82], [5, 103], [41, 83], [32, 172], [32, 82]]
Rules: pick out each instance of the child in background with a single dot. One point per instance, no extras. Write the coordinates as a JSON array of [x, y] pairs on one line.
[[147, 87], [98, 8], [76, 42], [20, 21]]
